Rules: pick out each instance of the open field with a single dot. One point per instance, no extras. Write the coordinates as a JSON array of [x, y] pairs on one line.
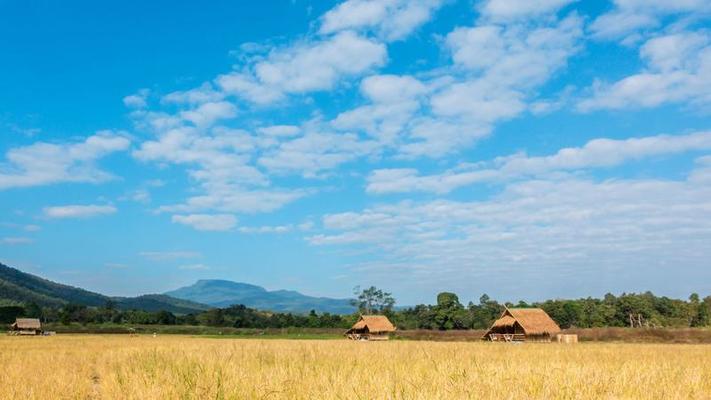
[[143, 367], [627, 335]]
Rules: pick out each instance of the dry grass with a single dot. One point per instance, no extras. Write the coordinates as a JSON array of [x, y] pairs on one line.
[[179, 367]]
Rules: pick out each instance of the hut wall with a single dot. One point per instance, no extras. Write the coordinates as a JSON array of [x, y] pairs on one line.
[[538, 338], [567, 338]]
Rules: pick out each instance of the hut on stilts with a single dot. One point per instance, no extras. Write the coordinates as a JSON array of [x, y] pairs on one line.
[[523, 325], [371, 327], [26, 326]]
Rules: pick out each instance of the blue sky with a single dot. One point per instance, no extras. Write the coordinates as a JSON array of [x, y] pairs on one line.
[[524, 149]]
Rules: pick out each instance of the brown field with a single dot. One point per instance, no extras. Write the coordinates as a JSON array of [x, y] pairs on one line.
[[183, 367], [625, 335]]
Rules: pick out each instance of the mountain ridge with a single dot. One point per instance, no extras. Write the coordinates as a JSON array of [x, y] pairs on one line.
[[21, 287], [224, 293]]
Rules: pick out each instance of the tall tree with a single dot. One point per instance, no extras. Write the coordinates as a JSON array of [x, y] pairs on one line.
[[373, 300]]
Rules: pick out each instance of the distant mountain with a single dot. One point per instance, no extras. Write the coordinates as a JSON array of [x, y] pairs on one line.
[[221, 293], [20, 287]]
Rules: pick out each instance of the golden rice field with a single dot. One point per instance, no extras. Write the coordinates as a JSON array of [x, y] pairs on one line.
[[182, 367]]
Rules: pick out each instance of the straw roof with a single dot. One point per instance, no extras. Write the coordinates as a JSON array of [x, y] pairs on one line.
[[506, 320], [534, 321], [374, 324], [27, 323]]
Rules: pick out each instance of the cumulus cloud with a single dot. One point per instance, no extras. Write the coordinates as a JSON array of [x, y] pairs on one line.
[[538, 228], [234, 199], [395, 100], [280, 130], [678, 69], [204, 93], [516, 55], [389, 19], [629, 18], [168, 255], [208, 113], [207, 222], [314, 152], [16, 240], [194, 267], [310, 66], [137, 100], [78, 211], [267, 229], [596, 153], [518, 9], [44, 163]]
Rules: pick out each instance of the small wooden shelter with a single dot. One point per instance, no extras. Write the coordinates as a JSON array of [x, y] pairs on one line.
[[523, 324], [371, 327], [26, 326]]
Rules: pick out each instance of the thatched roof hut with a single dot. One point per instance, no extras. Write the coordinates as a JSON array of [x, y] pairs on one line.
[[520, 324], [27, 326], [371, 327]]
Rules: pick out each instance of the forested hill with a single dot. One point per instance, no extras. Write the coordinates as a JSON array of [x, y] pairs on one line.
[[221, 293], [17, 287]]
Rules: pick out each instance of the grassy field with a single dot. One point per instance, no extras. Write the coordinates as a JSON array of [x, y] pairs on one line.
[[184, 367]]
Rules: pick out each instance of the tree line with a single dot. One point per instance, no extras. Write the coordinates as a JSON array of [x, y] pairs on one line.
[[447, 313]]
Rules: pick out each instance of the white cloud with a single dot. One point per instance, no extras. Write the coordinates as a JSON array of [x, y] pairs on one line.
[[518, 9], [280, 130], [16, 240], [116, 266], [543, 229], [139, 196], [32, 228], [516, 55], [26, 228], [267, 229], [168, 255], [390, 19], [305, 67], [138, 100], [314, 152], [204, 93], [395, 100], [220, 163], [207, 222], [235, 199], [45, 163], [630, 17], [497, 68], [678, 70], [194, 267], [208, 113], [78, 211], [594, 154]]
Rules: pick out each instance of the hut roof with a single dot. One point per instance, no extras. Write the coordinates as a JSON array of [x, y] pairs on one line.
[[506, 320], [534, 321], [27, 323], [374, 323]]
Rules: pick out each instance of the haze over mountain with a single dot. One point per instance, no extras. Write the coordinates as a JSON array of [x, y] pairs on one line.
[[223, 293], [17, 287]]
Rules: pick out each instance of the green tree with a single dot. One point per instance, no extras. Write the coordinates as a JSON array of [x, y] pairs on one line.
[[32, 310], [373, 300], [212, 317], [450, 313]]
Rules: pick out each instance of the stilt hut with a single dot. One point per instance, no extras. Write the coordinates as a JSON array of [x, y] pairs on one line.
[[371, 327], [26, 326], [523, 324]]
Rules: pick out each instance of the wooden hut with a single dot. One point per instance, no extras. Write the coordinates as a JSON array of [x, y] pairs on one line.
[[371, 327], [26, 326], [523, 324]]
